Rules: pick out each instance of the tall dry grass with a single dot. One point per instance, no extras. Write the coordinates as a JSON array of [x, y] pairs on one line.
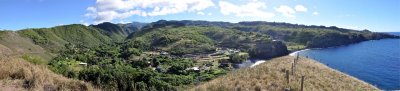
[[270, 76], [17, 74]]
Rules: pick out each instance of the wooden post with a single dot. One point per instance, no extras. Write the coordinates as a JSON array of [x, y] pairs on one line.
[[294, 60], [287, 76], [292, 68], [297, 58], [302, 83]]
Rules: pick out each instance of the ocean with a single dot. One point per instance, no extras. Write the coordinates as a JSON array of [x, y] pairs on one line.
[[376, 62]]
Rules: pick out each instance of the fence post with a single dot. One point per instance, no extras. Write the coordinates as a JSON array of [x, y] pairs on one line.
[[287, 76], [294, 61], [292, 68], [302, 83]]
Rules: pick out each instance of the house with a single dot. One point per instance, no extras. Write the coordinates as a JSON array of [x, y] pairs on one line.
[[82, 63], [164, 53], [195, 69], [233, 51]]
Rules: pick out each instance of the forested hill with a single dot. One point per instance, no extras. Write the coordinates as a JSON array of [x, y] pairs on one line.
[[48, 42], [119, 31], [295, 36], [181, 40]]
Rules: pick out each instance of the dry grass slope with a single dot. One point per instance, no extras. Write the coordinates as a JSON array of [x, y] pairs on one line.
[[11, 43], [270, 76], [17, 74]]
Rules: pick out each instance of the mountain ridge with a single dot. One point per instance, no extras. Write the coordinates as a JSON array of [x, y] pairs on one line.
[[52, 39]]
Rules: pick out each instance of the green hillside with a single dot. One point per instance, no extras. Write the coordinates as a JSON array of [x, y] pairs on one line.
[[118, 32], [310, 36], [134, 64], [55, 38], [195, 40], [295, 36]]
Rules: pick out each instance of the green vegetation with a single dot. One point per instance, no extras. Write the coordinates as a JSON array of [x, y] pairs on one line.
[[55, 38], [197, 40], [123, 66], [117, 32], [177, 41], [2, 33], [20, 75], [33, 59], [309, 36], [116, 67], [238, 57], [294, 46]]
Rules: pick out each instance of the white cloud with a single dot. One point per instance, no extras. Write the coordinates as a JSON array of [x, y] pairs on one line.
[[200, 13], [84, 23], [353, 27], [315, 13], [108, 10], [286, 11], [209, 14], [289, 12], [251, 9], [300, 8]]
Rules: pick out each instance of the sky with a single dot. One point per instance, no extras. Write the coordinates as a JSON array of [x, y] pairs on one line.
[[374, 15]]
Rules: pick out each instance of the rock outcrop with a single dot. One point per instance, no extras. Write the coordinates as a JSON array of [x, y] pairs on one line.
[[268, 50]]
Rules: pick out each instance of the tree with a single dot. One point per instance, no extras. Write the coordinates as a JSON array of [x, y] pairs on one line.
[[238, 57]]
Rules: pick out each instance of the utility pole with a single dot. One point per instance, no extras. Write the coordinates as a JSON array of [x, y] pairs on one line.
[[302, 83]]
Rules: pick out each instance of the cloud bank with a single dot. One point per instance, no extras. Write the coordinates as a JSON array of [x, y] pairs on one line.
[[286, 11], [108, 10], [118, 10], [289, 12], [251, 9]]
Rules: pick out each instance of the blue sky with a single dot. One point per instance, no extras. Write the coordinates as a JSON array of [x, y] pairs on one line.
[[375, 15]]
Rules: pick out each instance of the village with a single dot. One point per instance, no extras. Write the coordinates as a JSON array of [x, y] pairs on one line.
[[203, 62]]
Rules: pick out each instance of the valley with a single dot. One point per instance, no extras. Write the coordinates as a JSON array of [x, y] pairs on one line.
[[169, 55]]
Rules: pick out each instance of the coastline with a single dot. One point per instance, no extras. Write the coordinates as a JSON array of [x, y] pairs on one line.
[[368, 58], [296, 52], [337, 71], [290, 54]]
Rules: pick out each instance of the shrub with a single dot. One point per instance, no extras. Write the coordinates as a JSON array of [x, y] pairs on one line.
[[238, 57], [33, 59]]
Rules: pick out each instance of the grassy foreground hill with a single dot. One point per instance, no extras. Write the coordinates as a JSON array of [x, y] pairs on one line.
[[270, 76], [17, 74]]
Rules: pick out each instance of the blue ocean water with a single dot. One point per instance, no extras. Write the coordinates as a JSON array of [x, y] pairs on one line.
[[376, 62]]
